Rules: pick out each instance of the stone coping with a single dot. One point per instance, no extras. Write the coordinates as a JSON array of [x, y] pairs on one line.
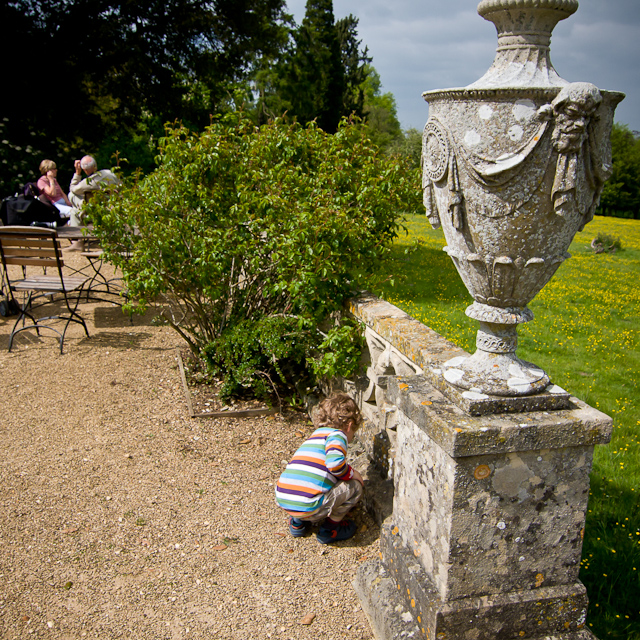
[[429, 351], [461, 434], [411, 337]]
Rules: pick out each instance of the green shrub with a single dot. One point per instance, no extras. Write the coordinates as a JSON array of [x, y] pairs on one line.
[[605, 243], [19, 160], [249, 239], [258, 354], [262, 355]]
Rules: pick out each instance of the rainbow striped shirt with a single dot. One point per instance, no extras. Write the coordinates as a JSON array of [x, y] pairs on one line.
[[314, 469]]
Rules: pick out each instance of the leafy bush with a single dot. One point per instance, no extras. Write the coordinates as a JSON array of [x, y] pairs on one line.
[[605, 243], [247, 353], [248, 240], [18, 161]]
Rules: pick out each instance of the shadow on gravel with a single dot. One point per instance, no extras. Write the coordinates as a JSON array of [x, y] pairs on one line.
[[367, 533], [117, 340], [113, 316], [27, 338]]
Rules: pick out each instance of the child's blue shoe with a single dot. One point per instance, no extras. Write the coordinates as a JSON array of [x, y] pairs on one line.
[[334, 531], [297, 527]]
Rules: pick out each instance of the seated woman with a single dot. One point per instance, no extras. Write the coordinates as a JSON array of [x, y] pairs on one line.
[[51, 191]]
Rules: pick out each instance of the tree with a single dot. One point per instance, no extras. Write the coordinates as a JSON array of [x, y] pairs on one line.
[[380, 111], [320, 77], [92, 69], [621, 193], [409, 145], [250, 238], [313, 83], [354, 64]]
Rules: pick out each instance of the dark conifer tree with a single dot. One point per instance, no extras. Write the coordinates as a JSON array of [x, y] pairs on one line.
[[314, 76], [321, 76], [355, 62]]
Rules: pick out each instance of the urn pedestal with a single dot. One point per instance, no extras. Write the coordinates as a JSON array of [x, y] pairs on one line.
[[490, 461], [484, 540]]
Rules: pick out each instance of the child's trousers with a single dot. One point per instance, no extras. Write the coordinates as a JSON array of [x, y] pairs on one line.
[[338, 501]]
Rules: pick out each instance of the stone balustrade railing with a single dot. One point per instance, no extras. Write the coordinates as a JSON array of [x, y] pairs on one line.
[[485, 535]]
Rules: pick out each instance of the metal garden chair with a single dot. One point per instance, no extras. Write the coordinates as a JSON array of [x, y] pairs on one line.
[[37, 247]]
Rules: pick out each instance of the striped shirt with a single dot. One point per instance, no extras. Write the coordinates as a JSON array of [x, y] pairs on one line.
[[314, 469]]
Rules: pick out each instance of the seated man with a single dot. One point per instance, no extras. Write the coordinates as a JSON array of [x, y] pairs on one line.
[[80, 189]]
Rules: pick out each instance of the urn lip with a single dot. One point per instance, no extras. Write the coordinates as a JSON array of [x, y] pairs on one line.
[[466, 94], [567, 7]]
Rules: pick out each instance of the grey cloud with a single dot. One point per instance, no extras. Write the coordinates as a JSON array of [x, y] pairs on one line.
[[419, 45]]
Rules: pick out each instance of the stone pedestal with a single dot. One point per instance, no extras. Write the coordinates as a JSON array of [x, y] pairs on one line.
[[490, 461], [485, 538]]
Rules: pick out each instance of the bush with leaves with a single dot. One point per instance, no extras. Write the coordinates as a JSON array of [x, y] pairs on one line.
[[249, 239], [605, 243]]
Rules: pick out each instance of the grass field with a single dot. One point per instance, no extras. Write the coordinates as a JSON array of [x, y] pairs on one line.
[[586, 335]]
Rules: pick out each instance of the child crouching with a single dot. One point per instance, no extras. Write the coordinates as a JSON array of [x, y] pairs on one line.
[[318, 486]]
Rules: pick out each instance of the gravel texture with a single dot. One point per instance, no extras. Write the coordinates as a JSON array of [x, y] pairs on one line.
[[121, 517]]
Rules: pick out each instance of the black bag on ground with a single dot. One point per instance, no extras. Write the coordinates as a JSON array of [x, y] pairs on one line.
[[24, 211], [8, 307]]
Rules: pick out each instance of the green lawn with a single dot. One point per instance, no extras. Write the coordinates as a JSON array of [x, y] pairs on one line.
[[586, 335]]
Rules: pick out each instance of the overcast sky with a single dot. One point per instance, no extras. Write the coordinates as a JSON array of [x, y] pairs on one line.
[[419, 45]]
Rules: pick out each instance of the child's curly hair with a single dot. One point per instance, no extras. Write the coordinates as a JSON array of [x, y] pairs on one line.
[[337, 411]]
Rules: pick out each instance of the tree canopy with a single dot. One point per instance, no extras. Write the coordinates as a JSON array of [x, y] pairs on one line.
[[321, 74], [380, 110], [91, 69], [104, 76], [315, 85], [621, 193]]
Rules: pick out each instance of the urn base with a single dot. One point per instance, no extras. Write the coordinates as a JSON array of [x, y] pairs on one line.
[[494, 369], [495, 374]]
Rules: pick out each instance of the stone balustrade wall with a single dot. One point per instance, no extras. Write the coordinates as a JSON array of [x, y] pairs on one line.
[[482, 533]]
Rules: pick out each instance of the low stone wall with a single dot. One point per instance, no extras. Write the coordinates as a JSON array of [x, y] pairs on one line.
[[397, 345], [484, 536]]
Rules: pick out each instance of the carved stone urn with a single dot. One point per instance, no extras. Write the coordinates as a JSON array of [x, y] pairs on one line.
[[513, 166]]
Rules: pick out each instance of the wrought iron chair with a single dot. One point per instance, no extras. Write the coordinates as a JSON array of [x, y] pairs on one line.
[[37, 247]]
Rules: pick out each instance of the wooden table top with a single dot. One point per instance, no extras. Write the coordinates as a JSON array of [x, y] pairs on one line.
[[75, 233]]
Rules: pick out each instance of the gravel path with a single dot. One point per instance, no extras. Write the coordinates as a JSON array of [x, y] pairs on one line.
[[121, 517]]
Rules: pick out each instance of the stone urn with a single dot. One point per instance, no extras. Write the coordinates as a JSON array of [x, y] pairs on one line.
[[513, 166]]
